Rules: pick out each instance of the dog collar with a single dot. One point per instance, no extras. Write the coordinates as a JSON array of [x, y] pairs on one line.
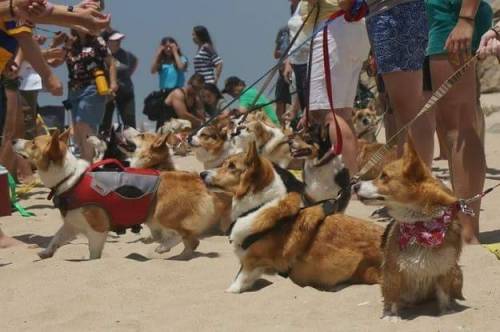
[[53, 190], [428, 234]]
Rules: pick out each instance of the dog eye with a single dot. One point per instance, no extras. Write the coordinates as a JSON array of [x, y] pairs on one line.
[[231, 166], [384, 176]]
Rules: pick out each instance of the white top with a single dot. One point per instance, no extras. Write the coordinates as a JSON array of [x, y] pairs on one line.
[[301, 56], [30, 80]]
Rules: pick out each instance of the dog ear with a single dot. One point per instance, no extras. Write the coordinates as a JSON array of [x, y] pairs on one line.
[[64, 137], [252, 154], [413, 167], [54, 152], [161, 142]]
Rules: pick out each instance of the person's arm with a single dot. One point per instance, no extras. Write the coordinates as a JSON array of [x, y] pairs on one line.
[[33, 54], [26, 9], [460, 39], [87, 19], [113, 83], [179, 63], [490, 43], [218, 71], [179, 106], [155, 67]]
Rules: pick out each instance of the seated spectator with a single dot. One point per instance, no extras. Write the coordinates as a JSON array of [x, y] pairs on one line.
[[213, 99], [185, 103], [236, 88]]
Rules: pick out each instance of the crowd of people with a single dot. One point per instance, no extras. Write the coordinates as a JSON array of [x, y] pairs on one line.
[[415, 44]]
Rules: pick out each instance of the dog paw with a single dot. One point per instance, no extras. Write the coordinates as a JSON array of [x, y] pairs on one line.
[[44, 254], [391, 318], [233, 289], [161, 249], [147, 240]]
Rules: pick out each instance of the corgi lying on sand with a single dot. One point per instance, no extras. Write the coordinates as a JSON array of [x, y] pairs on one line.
[[271, 233], [422, 246]]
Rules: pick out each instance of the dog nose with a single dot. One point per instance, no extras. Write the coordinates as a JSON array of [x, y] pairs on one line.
[[204, 175], [14, 141], [190, 139], [356, 187]]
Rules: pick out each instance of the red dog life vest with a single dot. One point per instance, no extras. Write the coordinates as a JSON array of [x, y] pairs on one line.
[[125, 194]]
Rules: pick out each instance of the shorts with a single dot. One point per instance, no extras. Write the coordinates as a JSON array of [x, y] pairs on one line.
[[348, 48], [300, 72], [443, 17], [87, 106], [399, 37], [282, 93]]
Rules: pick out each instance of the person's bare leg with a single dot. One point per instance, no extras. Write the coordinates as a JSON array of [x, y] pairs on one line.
[[280, 111], [350, 147], [81, 132], [405, 91], [7, 241], [467, 160]]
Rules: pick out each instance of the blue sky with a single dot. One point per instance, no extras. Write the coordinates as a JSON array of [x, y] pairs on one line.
[[243, 32]]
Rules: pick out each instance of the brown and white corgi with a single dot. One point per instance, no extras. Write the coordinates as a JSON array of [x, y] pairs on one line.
[[272, 143], [271, 234], [212, 144], [365, 123], [182, 210], [422, 246], [147, 150], [326, 181]]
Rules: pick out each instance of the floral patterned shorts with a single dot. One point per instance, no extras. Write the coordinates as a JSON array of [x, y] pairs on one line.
[[399, 37]]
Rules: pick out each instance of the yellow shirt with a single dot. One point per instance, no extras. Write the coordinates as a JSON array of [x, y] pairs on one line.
[[8, 43], [326, 8]]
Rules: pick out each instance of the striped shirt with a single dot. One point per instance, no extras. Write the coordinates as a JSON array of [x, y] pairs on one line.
[[205, 61]]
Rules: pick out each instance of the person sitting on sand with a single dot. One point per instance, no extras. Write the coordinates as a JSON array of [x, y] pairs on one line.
[[185, 103], [236, 88]]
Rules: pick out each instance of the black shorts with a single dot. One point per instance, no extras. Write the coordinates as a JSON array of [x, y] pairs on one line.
[[282, 93], [426, 71]]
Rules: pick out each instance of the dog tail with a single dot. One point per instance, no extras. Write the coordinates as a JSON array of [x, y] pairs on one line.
[[304, 230], [343, 179], [287, 208]]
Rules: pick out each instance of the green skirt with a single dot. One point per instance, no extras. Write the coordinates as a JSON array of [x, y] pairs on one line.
[[443, 15]]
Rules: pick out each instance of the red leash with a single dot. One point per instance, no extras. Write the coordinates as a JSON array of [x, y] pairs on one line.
[[361, 12]]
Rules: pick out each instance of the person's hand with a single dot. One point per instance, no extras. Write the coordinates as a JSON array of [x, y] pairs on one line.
[[93, 19], [302, 122], [288, 72], [89, 4], [459, 41], [59, 39], [174, 48], [11, 70], [53, 85], [492, 48], [486, 45], [55, 54], [346, 5], [113, 87], [30, 8], [40, 39]]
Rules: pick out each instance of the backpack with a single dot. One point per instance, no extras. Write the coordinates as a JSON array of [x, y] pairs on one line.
[[154, 105]]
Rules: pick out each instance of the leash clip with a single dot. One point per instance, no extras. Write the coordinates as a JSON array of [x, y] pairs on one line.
[[465, 208]]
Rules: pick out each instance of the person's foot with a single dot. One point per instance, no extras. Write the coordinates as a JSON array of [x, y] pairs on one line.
[[53, 85], [7, 241]]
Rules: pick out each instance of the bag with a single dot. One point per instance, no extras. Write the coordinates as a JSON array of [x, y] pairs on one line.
[[154, 104]]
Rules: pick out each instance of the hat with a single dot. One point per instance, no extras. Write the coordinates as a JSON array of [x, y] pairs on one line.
[[116, 35], [230, 83]]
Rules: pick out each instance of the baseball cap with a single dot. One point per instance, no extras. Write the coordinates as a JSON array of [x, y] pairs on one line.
[[116, 35]]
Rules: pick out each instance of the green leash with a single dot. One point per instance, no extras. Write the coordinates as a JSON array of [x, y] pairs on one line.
[[14, 201]]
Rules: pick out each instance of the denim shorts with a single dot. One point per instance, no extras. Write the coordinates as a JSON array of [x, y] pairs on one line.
[[87, 106], [399, 37]]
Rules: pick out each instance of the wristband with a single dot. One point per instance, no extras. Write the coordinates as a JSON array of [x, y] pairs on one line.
[[71, 9], [467, 18]]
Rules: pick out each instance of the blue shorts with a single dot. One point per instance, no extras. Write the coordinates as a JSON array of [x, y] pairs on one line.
[[399, 37], [87, 106]]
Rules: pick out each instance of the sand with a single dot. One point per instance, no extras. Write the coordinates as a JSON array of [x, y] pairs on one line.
[[133, 289]]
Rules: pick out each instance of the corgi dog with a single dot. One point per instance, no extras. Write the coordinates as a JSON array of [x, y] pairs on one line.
[[147, 150], [271, 233], [106, 146], [181, 211], [212, 144], [272, 143], [177, 131], [323, 182], [365, 122], [422, 246]]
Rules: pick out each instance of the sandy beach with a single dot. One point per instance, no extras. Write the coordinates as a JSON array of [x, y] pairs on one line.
[[133, 289]]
